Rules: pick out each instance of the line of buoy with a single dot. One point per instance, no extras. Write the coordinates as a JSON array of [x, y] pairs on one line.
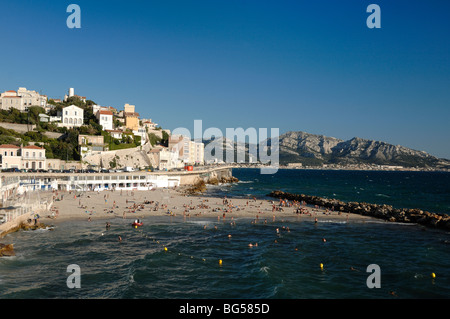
[[165, 249]]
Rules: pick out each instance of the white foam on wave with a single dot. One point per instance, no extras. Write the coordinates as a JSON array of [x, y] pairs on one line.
[[200, 222], [332, 221], [264, 269]]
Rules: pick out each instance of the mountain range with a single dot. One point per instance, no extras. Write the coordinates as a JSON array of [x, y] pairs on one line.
[[316, 150]]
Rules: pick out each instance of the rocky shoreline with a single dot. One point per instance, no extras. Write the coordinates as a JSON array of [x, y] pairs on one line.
[[385, 212]]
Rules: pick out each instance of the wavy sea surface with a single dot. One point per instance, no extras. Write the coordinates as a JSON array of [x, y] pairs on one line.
[[172, 257]]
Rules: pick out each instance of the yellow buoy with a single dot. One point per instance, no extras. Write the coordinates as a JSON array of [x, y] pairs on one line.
[[220, 261], [321, 266], [165, 248], [433, 275]]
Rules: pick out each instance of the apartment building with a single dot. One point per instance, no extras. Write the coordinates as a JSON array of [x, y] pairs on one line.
[[190, 152], [25, 157], [21, 99]]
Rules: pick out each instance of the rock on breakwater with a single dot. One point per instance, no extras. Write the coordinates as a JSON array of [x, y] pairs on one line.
[[385, 212]]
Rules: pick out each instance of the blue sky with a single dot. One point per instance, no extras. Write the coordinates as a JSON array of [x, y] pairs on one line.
[[298, 65]]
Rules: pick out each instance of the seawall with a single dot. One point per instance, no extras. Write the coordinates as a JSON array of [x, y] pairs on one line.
[[385, 212], [21, 215]]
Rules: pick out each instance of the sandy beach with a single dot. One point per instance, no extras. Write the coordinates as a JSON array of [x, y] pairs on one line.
[[108, 205]]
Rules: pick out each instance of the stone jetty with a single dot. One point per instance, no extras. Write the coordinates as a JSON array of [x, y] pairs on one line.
[[385, 212]]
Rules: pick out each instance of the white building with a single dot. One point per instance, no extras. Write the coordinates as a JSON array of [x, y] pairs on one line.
[[149, 124], [21, 99], [71, 116], [142, 132], [26, 157], [105, 119], [33, 157], [165, 158], [72, 94], [117, 134], [10, 156], [189, 152], [199, 153]]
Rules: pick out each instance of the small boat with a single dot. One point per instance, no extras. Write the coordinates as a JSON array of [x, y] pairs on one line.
[[136, 224]]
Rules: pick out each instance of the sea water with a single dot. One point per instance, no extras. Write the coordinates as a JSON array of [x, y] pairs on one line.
[[176, 257]]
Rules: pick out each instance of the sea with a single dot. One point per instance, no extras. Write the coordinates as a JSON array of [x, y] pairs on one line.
[[172, 257]]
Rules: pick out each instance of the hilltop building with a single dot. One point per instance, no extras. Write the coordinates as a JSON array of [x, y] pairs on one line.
[[131, 120], [21, 99], [72, 94], [105, 119], [128, 108], [71, 116]]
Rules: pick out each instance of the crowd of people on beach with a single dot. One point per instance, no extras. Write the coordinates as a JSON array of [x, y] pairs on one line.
[[228, 207]]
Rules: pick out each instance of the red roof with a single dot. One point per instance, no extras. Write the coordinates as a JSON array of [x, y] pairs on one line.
[[11, 91], [8, 146], [33, 147], [106, 112]]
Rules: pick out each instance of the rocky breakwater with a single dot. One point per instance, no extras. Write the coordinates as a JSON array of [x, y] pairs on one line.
[[200, 185], [385, 212]]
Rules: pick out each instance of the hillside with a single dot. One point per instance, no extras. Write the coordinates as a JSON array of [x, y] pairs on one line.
[[316, 150]]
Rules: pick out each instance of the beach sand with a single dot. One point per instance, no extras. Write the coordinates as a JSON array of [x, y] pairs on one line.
[[108, 205]]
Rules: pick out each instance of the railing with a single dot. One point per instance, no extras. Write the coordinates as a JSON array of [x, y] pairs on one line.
[[37, 158], [27, 206], [11, 214]]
